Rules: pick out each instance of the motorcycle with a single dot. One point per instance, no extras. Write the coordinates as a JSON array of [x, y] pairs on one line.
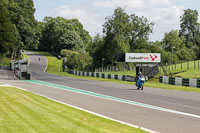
[[140, 82]]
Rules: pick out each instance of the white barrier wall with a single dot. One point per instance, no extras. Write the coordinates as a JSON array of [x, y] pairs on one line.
[[193, 82], [119, 77], [181, 82], [90, 74], [112, 76], [165, 79], [100, 75], [106, 76], [95, 74], [178, 81]]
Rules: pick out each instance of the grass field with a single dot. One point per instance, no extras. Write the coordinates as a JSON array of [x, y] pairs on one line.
[[24, 112]]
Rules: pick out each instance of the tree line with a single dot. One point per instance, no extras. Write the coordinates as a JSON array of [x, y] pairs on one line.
[[67, 37], [130, 33], [17, 26]]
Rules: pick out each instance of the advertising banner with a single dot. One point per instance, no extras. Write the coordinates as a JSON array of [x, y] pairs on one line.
[[143, 57]]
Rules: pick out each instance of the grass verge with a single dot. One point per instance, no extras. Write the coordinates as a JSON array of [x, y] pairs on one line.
[[24, 112]]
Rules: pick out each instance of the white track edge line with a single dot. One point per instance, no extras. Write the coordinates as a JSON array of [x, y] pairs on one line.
[[135, 126], [152, 106]]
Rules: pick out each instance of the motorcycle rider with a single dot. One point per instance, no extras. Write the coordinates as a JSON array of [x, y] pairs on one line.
[[138, 80]]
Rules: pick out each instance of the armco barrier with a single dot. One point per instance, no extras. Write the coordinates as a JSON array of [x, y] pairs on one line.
[[104, 75], [180, 81]]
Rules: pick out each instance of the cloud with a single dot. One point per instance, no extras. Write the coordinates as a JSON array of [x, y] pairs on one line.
[[89, 20], [164, 13], [165, 19], [119, 3], [137, 4]]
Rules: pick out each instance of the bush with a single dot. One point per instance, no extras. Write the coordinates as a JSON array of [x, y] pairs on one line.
[[77, 60]]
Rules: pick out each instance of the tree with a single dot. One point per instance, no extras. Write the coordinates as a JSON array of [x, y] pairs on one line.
[[8, 33], [116, 30], [124, 33], [95, 44], [83, 34], [38, 33], [77, 60], [95, 50], [140, 29], [190, 28], [172, 40], [58, 34], [22, 15]]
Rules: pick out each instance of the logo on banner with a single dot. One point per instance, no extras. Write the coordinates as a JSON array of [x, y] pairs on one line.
[[142, 57], [153, 57]]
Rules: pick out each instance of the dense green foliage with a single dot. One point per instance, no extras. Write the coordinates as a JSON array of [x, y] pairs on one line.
[[18, 24], [77, 60], [7, 30], [69, 36], [22, 15], [59, 33]]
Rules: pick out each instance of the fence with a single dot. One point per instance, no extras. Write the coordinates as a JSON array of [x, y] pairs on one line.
[[5, 67], [190, 65], [180, 81], [119, 67], [103, 75]]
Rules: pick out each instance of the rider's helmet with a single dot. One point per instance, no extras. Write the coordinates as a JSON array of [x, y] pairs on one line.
[[140, 74]]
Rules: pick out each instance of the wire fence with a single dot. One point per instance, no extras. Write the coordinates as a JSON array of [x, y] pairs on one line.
[[182, 66], [114, 68]]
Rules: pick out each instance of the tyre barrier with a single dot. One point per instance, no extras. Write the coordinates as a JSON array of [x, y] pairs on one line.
[[189, 82], [104, 75]]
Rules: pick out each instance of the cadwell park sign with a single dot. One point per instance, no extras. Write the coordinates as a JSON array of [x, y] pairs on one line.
[[143, 57]]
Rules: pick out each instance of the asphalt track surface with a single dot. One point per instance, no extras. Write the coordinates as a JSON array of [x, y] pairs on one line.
[[7, 75], [154, 119]]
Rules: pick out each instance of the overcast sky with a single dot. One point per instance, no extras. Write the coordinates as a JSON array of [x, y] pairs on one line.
[[91, 13]]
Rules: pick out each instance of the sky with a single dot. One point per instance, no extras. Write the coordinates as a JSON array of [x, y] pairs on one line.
[[92, 13]]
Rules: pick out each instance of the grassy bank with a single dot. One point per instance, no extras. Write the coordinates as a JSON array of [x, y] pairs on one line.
[[24, 56], [23, 112], [185, 70], [54, 64], [4, 61]]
